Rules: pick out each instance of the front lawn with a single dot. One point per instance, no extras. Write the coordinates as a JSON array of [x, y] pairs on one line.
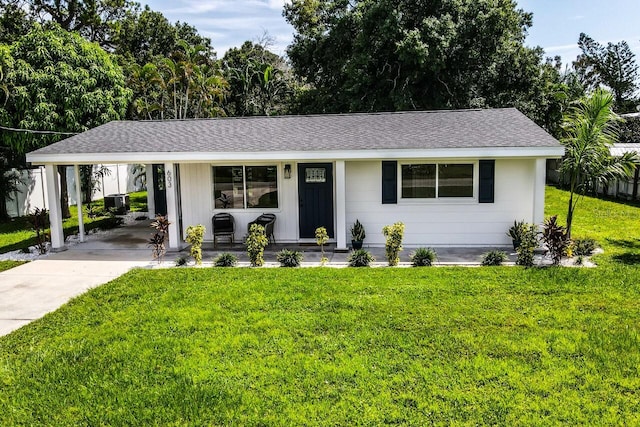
[[326, 346], [614, 224]]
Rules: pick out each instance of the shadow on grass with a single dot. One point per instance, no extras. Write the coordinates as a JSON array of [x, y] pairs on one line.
[[634, 203], [626, 243], [628, 258]]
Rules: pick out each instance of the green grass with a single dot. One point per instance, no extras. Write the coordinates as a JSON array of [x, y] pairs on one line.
[[6, 265], [334, 347], [17, 234], [412, 346], [614, 224]]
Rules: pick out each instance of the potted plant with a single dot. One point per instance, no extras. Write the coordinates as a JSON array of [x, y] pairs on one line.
[[357, 235], [515, 232]]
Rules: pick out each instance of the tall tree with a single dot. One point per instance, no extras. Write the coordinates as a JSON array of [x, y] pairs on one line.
[[142, 37], [613, 66], [187, 85], [60, 83], [14, 20], [93, 19], [590, 131], [366, 55], [260, 82]]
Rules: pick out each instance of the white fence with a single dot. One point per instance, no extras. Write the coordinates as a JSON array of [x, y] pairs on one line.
[[122, 178]]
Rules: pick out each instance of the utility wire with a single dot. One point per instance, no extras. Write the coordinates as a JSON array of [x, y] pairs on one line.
[[43, 132]]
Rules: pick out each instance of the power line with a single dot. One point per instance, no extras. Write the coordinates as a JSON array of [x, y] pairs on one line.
[[42, 132]]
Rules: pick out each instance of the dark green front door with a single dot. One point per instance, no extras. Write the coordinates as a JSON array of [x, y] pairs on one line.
[[159, 190], [315, 197]]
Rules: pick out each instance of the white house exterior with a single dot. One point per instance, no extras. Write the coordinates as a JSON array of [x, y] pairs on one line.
[[455, 178]]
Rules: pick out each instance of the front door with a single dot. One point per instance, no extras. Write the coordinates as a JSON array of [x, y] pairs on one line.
[[159, 190], [315, 198]]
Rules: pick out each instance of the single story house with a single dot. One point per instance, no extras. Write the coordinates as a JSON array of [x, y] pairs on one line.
[[455, 178]]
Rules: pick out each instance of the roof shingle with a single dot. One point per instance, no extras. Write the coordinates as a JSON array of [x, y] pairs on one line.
[[366, 131]]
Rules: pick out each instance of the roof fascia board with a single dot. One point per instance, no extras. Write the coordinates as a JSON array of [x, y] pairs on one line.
[[373, 154]]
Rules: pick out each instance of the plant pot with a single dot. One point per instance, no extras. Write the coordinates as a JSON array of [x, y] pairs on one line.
[[516, 244], [356, 244]]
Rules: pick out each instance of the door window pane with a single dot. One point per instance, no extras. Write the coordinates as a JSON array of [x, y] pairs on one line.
[[262, 186], [455, 180], [318, 175], [228, 187], [419, 181]]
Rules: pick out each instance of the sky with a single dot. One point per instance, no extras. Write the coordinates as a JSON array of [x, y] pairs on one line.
[[556, 23]]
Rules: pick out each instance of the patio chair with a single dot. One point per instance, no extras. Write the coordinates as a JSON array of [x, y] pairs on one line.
[[267, 221], [223, 226]]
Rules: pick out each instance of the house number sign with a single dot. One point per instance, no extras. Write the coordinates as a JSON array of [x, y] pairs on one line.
[[169, 179], [315, 175]]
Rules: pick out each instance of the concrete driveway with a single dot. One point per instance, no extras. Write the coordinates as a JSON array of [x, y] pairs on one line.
[[32, 290]]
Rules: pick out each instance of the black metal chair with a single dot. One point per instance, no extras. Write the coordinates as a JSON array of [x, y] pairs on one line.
[[267, 221], [223, 226]]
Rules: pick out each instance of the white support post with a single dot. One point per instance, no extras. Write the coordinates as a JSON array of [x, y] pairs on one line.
[[76, 170], [172, 206], [341, 206], [151, 201], [539, 187], [55, 212]]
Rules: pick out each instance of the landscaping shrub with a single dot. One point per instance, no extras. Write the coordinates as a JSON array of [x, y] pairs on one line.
[[225, 259], [494, 258], [158, 239], [321, 238], [360, 258], [181, 261], [555, 237], [195, 236], [39, 220], [393, 244], [358, 234], [528, 245], [423, 257], [288, 258], [515, 233], [256, 242], [584, 247]]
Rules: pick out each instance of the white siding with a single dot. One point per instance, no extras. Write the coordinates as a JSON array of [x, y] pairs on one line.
[[428, 223], [196, 182], [442, 222], [32, 189]]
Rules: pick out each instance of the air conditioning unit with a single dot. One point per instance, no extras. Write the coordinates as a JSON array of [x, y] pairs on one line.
[[117, 202]]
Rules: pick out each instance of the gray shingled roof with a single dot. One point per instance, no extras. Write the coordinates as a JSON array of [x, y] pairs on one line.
[[405, 130]]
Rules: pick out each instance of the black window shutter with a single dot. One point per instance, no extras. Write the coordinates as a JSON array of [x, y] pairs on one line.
[[389, 182], [487, 169]]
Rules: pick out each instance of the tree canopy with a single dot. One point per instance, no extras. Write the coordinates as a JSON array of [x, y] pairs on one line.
[[613, 66], [365, 55], [93, 19], [260, 81], [57, 81], [60, 82], [143, 36]]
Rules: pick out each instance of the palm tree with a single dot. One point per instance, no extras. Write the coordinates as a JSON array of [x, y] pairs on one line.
[[590, 130]]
